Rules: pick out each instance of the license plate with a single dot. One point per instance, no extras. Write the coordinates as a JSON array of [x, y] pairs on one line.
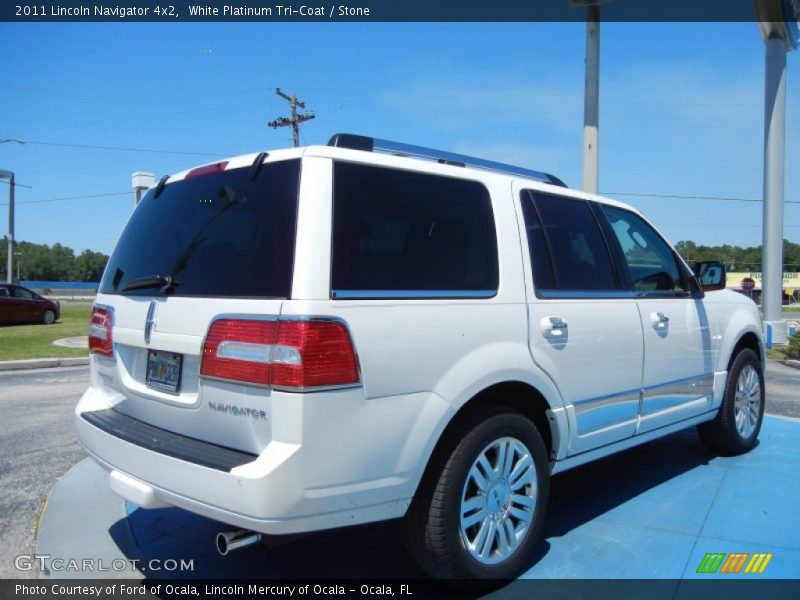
[[164, 371]]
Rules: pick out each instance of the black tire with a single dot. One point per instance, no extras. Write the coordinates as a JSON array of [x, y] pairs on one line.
[[432, 526], [722, 434], [48, 317]]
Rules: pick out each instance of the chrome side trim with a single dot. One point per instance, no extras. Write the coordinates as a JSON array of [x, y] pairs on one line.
[[596, 414], [702, 384], [705, 380], [591, 403], [584, 294], [669, 395], [591, 455]]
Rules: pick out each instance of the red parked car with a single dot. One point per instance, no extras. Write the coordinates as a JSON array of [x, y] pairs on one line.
[[21, 305]]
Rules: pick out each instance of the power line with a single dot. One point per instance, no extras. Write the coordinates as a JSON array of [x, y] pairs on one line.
[[30, 187], [123, 148], [719, 198], [67, 198]]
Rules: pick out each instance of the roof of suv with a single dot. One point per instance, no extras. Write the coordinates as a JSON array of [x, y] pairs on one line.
[[354, 147]]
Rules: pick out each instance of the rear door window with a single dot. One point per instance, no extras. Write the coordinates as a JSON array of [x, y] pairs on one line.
[[399, 234], [217, 235], [568, 249]]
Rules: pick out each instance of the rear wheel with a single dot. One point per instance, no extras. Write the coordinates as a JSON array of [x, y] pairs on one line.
[[479, 510], [736, 426], [48, 317]]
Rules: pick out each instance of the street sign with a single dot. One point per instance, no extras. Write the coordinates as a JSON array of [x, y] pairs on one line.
[[748, 284]]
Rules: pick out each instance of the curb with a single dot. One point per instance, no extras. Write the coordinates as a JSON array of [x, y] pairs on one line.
[[42, 363], [795, 364]]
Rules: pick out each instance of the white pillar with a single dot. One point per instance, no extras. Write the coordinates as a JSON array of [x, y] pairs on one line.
[[141, 182], [774, 145]]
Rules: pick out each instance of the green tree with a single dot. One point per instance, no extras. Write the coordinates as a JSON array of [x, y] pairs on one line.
[[40, 262], [737, 258], [89, 266]]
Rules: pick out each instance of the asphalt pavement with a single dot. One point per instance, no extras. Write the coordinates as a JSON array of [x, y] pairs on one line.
[[38, 446], [783, 390]]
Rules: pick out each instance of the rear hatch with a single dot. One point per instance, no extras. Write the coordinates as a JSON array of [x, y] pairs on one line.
[[219, 242]]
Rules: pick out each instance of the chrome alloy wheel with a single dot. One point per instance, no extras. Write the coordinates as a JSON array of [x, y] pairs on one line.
[[747, 401], [498, 501]]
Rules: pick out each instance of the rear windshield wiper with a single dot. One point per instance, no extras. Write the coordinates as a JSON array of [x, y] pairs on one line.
[[166, 283], [231, 198], [162, 282]]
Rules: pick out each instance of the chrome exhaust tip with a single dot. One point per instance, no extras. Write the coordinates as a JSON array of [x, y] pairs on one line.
[[227, 541]]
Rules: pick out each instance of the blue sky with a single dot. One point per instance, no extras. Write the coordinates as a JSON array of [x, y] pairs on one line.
[[681, 109]]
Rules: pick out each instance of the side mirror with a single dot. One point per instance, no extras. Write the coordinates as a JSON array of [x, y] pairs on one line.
[[710, 274]]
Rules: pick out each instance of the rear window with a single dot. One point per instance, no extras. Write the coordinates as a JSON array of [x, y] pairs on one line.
[[400, 234], [217, 235]]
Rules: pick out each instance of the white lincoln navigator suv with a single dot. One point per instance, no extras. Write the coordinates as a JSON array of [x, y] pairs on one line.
[[318, 337]]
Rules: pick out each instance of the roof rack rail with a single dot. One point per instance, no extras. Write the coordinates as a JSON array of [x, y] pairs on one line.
[[369, 144]]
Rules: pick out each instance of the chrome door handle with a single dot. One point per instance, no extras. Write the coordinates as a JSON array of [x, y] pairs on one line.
[[659, 320], [553, 326]]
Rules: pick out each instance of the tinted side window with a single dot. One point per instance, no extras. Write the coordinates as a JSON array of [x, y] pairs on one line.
[[537, 245], [22, 293], [580, 258], [650, 260], [400, 234]]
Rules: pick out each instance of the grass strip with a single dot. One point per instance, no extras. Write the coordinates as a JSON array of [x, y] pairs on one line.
[[19, 342]]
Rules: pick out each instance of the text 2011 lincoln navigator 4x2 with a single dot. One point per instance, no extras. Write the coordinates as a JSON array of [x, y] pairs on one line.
[[323, 336]]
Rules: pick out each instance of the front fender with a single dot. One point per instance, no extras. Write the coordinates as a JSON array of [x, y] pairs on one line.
[[738, 322]]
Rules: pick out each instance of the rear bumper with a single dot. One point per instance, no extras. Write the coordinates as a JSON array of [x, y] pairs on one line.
[[325, 477], [135, 490], [166, 442]]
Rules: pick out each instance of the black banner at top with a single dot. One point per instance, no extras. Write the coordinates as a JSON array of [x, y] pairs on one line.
[[170, 11]]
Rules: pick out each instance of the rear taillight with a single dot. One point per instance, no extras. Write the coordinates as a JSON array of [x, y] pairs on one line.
[[100, 324], [239, 349], [293, 354], [310, 354]]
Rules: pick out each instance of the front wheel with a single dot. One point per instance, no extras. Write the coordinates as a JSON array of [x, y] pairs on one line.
[[479, 510], [736, 426], [48, 317]]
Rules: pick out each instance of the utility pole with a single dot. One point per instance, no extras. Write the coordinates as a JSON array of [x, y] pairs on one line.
[[295, 119], [10, 263], [591, 101], [591, 94]]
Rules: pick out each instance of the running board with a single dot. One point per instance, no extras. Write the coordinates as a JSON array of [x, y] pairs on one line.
[[585, 457]]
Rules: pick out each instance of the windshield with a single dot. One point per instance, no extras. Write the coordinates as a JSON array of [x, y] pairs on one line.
[[217, 235]]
